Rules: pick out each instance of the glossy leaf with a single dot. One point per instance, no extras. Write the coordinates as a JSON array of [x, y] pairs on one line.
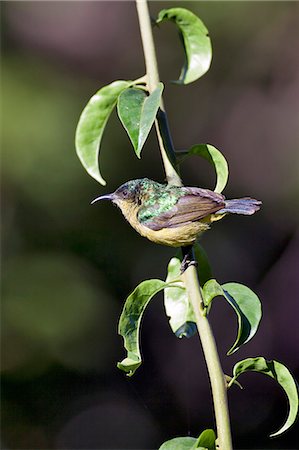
[[245, 303], [196, 42], [210, 290], [216, 158], [207, 439], [179, 443], [92, 123], [282, 375], [129, 107], [130, 319], [248, 308], [148, 115], [177, 305], [137, 112]]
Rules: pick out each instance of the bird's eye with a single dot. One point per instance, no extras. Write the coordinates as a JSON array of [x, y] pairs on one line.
[[125, 193]]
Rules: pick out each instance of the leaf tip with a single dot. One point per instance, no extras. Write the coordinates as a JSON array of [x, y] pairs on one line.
[[232, 350], [97, 176]]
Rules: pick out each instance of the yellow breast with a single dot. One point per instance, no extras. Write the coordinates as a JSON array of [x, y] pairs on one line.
[[173, 237]]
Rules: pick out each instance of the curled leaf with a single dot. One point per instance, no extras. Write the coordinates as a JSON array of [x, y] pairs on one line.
[[282, 375], [207, 440], [245, 303], [247, 306], [92, 123], [196, 42], [210, 290], [137, 112], [130, 319], [216, 158]]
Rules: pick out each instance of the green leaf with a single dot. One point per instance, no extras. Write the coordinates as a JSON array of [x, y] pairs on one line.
[[215, 157], [207, 440], [176, 301], [282, 375], [248, 309], [148, 115], [177, 305], [137, 112], [92, 123], [130, 319], [204, 268], [196, 42], [245, 303], [210, 290], [129, 107], [179, 443]]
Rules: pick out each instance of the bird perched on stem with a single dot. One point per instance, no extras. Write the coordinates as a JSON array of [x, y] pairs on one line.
[[172, 215]]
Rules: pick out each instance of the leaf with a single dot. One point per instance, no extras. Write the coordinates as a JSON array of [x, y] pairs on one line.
[[176, 301], [245, 303], [248, 309], [282, 375], [177, 305], [229, 381], [210, 290], [204, 268], [207, 439], [92, 123], [179, 443], [196, 42], [130, 319], [149, 112], [129, 107], [215, 157], [137, 112]]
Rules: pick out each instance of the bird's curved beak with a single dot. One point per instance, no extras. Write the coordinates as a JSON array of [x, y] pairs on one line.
[[103, 197]]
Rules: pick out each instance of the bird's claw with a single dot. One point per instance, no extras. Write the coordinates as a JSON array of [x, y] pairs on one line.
[[187, 262]]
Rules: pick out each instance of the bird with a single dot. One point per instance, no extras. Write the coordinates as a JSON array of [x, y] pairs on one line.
[[174, 215]]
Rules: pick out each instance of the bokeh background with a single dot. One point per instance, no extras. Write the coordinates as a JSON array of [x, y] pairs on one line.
[[68, 266]]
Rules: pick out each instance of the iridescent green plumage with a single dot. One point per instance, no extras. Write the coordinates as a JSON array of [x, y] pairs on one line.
[[157, 201], [173, 215]]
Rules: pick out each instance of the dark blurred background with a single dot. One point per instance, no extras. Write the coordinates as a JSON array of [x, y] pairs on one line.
[[68, 266]]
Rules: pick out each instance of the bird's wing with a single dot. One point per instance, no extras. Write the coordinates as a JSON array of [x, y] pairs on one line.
[[193, 205]]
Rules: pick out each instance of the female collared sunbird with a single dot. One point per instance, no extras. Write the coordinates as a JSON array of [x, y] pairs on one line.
[[172, 215]]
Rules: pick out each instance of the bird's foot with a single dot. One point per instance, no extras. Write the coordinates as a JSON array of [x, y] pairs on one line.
[[187, 263], [188, 259]]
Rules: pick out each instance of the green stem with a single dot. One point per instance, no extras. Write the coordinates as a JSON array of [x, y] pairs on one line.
[[190, 275], [164, 139], [217, 379]]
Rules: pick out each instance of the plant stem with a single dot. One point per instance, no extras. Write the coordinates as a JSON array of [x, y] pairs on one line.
[[161, 124], [190, 276], [216, 375]]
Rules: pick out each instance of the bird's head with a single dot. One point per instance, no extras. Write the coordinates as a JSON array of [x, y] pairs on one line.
[[128, 195]]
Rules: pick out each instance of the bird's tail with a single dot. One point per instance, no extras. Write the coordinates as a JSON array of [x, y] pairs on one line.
[[246, 206]]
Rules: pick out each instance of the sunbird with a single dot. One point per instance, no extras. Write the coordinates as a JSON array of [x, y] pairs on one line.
[[173, 215]]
